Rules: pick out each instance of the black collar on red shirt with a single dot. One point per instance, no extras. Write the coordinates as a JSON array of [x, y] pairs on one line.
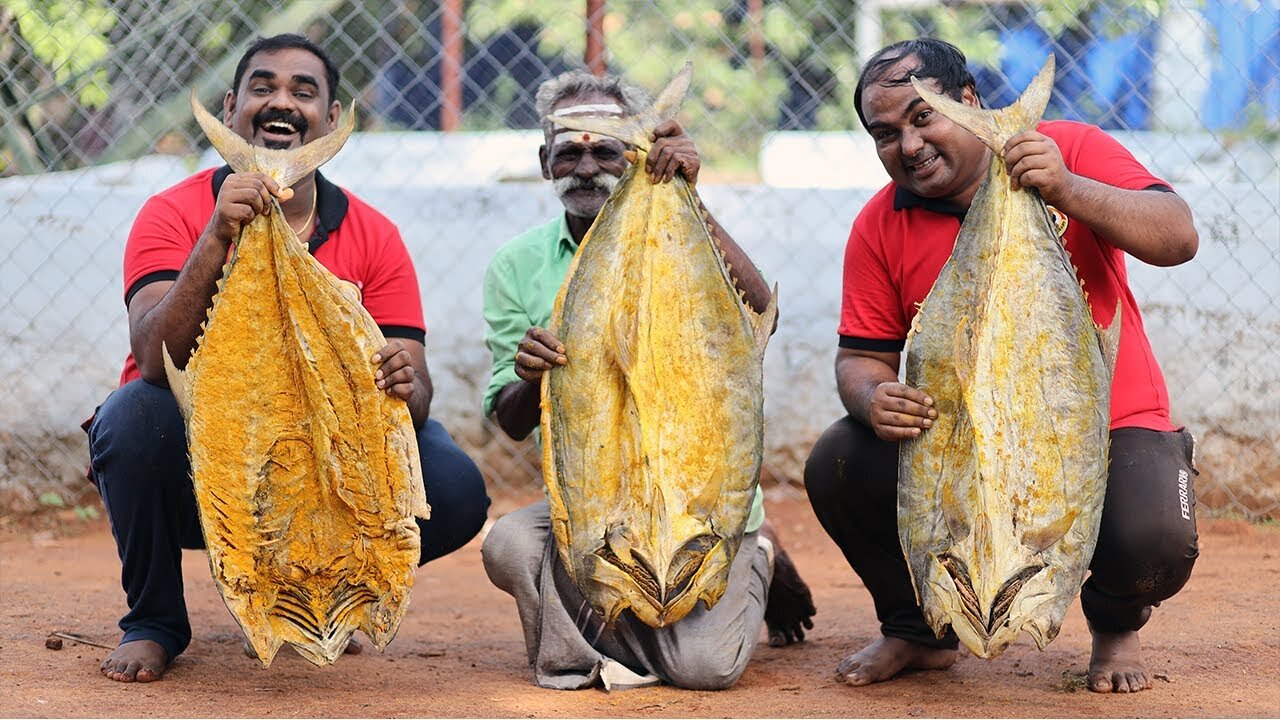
[[904, 199], [331, 206]]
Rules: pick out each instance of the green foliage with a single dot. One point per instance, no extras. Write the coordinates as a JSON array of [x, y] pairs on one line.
[[82, 512], [70, 37], [52, 499]]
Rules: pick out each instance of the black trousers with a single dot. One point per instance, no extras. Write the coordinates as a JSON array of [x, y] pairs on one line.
[[138, 460], [1146, 547]]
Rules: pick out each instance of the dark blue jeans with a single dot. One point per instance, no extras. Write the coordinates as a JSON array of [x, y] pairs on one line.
[[1147, 542], [138, 460]]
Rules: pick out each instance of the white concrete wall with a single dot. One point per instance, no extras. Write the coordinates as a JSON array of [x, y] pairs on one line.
[[1215, 322]]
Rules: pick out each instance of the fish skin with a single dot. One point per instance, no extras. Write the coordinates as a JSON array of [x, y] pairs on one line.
[[653, 432], [999, 502], [306, 475]]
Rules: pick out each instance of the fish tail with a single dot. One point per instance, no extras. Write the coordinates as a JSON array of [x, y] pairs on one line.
[[284, 166], [995, 127], [635, 129]]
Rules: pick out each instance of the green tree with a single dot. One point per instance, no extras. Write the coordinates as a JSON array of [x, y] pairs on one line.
[[51, 52]]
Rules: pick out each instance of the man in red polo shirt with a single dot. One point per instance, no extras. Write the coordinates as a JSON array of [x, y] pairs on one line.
[[1108, 205], [282, 96]]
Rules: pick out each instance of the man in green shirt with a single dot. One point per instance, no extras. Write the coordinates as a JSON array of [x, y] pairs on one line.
[[568, 644]]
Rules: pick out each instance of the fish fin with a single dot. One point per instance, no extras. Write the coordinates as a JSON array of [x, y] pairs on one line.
[[635, 129], [284, 166], [1044, 538], [1035, 98], [1109, 340], [763, 323], [995, 127], [672, 96], [238, 153], [953, 514], [962, 355], [623, 337], [177, 382]]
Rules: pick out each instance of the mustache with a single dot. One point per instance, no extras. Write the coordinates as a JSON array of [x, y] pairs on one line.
[[278, 115], [599, 181]]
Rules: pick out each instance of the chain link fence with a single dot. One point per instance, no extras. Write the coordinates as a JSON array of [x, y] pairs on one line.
[[94, 119]]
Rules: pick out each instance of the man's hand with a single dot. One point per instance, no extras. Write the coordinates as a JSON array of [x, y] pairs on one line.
[[538, 352], [900, 411], [395, 370], [673, 151], [1033, 160], [243, 197]]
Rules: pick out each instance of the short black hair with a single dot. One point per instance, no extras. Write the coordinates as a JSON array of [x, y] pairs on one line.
[[287, 41], [935, 58]]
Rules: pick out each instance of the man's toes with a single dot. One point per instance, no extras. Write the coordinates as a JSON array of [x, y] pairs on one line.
[[1100, 684], [846, 668], [123, 672], [1133, 682], [858, 677]]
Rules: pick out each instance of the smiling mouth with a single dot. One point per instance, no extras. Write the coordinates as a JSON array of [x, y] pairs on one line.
[[278, 127], [923, 164]]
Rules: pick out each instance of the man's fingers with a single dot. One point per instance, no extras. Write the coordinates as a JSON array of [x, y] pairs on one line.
[[903, 420], [544, 337]]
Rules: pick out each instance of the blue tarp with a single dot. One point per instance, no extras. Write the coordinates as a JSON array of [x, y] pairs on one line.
[[1105, 66]]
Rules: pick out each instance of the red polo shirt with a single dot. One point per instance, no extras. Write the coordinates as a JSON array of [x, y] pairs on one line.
[[354, 241], [900, 242]]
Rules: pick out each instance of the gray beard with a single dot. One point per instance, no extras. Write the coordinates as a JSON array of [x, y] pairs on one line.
[[584, 207]]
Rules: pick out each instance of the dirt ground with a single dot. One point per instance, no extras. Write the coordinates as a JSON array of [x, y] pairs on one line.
[[1214, 648]]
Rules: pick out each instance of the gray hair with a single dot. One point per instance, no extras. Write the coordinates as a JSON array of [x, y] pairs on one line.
[[577, 83]]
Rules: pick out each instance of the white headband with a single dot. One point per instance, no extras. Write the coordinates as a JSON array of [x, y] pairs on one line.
[[565, 135], [600, 109]]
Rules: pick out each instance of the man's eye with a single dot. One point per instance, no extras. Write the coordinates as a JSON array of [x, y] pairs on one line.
[[608, 154], [923, 116]]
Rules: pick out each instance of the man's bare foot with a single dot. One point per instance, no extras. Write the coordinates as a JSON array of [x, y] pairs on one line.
[[789, 606], [1116, 663], [136, 661], [889, 656]]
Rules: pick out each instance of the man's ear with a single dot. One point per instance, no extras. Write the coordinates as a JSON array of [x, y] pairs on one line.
[[335, 112], [542, 161], [969, 96], [228, 107]]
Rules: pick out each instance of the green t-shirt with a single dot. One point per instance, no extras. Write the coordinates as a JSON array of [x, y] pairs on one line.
[[520, 288]]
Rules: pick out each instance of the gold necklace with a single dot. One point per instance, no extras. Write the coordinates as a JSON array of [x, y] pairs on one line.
[[306, 222]]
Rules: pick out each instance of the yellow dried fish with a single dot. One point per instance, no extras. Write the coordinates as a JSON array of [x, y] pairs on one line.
[[306, 475], [653, 433], [999, 502]]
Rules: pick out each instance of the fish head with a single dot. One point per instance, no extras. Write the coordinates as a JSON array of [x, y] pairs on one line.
[[631, 570], [988, 613], [282, 99], [921, 150]]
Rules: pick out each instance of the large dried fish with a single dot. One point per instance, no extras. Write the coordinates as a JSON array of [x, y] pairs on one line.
[[999, 502], [653, 433], [306, 474]]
